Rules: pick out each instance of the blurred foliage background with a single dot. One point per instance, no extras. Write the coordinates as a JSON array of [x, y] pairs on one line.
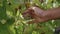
[[12, 21]]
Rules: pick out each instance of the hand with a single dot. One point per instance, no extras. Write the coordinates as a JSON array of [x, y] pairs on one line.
[[37, 14]]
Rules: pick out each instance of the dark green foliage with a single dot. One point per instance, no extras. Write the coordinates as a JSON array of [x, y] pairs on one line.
[[12, 22]]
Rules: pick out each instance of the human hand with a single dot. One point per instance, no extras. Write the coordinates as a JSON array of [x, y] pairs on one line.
[[37, 14]]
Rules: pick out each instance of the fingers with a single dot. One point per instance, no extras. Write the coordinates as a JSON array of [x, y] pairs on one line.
[[35, 20], [38, 20], [28, 12]]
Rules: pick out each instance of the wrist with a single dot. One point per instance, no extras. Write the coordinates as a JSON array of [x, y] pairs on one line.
[[48, 15]]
